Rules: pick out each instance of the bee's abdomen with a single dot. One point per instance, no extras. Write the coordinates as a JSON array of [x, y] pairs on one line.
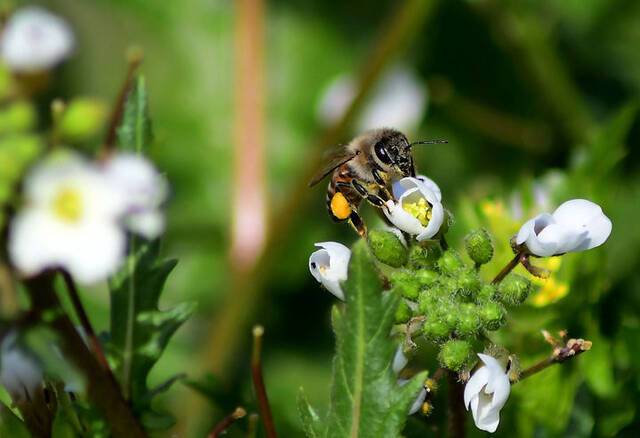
[[341, 198]]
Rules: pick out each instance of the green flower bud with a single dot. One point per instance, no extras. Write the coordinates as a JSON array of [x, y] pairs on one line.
[[408, 289], [450, 262], [19, 117], [403, 312], [455, 354], [514, 289], [83, 119], [487, 292], [492, 315], [424, 255], [387, 248], [468, 320], [449, 285], [426, 277], [479, 247], [468, 282], [435, 331], [428, 302]]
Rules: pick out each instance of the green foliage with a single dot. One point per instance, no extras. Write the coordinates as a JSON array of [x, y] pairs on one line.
[[11, 425], [134, 133], [139, 330], [366, 399]]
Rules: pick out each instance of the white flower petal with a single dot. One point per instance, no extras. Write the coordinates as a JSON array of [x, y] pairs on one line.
[[477, 381], [417, 403], [486, 393], [585, 215], [402, 219], [431, 185], [35, 40], [437, 218], [400, 360], [330, 265]]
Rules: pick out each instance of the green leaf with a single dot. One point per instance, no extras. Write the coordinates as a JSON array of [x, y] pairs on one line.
[[310, 419], [134, 132], [11, 425], [140, 331], [366, 400]]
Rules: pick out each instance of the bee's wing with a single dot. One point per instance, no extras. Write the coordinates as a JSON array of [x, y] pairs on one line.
[[334, 159]]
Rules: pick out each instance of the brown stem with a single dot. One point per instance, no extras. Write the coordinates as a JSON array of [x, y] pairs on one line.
[[456, 412], [505, 271], [135, 59], [227, 421], [258, 382], [84, 321], [101, 389], [572, 348]]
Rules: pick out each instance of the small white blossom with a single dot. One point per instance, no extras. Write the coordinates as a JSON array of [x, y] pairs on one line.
[[417, 403], [400, 360], [399, 100], [486, 392], [417, 209], [330, 265], [576, 225], [144, 189], [34, 40], [69, 220], [20, 374]]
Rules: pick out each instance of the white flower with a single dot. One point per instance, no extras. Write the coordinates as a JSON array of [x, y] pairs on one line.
[[486, 392], [144, 189], [576, 225], [400, 360], [417, 403], [399, 100], [329, 266], [417, 209], [20, 374], [69, 220], [35, 40]]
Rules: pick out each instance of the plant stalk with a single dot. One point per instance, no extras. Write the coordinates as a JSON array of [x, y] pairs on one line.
[[258, 382], [508, 268], [456, 413], [227, 421]]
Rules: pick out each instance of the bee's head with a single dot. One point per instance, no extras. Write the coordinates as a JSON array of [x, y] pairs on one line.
[[392, 152]]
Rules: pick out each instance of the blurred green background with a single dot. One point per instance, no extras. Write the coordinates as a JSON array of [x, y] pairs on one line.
[[538, 102]]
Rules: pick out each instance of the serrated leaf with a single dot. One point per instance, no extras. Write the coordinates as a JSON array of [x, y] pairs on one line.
[[134, 132], [140, 331], [366, 400], [310, 419]]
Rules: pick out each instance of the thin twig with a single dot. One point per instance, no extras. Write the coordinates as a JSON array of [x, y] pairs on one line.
[[258, 382], [572, 348], [134, 60], [252, 428], [508, 268], [84, 320], [227, 421]]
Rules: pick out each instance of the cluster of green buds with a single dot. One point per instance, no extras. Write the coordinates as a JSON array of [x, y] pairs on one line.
[[444, 298]]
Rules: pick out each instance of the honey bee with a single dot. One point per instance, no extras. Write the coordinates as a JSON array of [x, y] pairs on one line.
[[365, 169]]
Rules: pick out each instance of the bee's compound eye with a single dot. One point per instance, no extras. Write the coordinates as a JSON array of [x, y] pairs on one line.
[[381, 153]]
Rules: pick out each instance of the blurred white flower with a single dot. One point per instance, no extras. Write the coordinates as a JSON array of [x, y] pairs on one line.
[[486, 392], [20, 374], [34, 40], [144, 189], [69, 220], [399, 101], [417, 209], [576, 225], [330, 266], [400, 360]]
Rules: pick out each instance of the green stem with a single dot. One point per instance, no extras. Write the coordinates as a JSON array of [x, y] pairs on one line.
[[508, 268]]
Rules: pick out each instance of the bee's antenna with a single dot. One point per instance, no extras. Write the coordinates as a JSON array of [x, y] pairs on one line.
[[439, 141]]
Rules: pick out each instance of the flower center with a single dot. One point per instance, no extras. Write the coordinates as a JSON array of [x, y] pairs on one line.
[[421, 210], [67, 205]]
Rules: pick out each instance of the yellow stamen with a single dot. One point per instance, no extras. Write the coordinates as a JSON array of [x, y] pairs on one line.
[[67, 205], [421, 210]]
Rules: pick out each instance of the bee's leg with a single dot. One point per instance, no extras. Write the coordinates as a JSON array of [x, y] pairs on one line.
[[358, 224], [382, 183], [373, 199]]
